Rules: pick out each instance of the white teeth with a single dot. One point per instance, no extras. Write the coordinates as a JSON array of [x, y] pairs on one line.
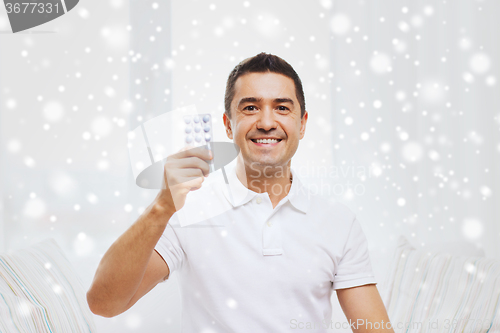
[[266, 140]]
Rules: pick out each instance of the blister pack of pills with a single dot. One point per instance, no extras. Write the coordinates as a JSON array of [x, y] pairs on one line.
[[198, 130]]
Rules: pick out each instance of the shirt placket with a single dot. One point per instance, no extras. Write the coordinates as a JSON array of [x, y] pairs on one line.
[[271, 230]]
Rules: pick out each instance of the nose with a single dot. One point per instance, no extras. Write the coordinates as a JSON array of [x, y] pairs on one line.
[[267, 120]]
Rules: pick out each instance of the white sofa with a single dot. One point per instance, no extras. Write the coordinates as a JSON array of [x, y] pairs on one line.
[[445, 287], [40, 292], [442, 288]]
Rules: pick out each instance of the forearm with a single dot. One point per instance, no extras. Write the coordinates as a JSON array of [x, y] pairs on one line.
[[122, 267]]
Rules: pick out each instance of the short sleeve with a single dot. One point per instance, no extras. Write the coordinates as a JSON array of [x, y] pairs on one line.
[[169, 247], [354, 268]]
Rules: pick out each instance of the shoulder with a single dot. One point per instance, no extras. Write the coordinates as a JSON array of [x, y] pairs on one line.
[[335, 223], [332, 217], [331, 209]]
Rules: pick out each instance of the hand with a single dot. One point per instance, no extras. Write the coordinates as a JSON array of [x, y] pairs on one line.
[[183, 172]]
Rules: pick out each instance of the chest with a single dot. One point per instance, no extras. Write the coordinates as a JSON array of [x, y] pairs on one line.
[[271, 253]]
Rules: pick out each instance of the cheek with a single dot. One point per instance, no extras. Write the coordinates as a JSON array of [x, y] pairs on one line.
[[239, 133], [241, 129], [292, 129]]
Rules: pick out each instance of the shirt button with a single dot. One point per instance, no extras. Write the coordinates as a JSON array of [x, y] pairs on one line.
[[258, 200], [269, 223]]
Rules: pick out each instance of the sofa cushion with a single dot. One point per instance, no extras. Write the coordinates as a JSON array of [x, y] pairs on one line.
[[439, 292], [40, 292]]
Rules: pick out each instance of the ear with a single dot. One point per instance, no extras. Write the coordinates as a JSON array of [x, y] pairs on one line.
[[303, 123], [227, 125]]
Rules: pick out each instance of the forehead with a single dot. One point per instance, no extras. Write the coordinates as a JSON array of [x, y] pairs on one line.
[[264, 85]]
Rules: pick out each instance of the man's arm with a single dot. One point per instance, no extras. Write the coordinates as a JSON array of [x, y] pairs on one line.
[[131, 267], [364, 308]]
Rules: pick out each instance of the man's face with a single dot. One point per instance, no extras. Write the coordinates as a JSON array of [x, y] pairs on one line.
[[265, 106]]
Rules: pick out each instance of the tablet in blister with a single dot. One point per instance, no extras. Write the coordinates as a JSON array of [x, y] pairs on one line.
[[198, 131]]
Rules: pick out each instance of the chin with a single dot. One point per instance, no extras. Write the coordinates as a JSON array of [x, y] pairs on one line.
[[257, 163]]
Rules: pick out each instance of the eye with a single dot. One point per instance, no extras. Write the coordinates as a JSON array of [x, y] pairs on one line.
[[283, 108], [250, 108]]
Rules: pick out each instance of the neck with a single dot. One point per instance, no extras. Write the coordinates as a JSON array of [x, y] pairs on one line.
[[275, 180]]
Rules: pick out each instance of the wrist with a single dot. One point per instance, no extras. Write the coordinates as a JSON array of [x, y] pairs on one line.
[[156, 216], [159, 207]]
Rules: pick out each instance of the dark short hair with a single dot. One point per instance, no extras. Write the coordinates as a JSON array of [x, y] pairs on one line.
[[262, 63]]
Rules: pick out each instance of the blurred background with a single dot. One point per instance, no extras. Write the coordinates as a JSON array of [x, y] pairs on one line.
[[403, 100]]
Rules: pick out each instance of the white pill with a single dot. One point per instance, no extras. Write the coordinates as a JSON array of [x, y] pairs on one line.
[[189, 139], [206, 118], [198, 138], [196, 119]]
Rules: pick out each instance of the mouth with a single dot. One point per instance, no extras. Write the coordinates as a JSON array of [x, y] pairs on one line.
[[266, 142]]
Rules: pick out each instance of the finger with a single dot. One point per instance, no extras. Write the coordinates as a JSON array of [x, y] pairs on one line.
[[182, 176], [190, 184], [192, 173], [200, 152], [195, 162], [195, 184], [188, 163]]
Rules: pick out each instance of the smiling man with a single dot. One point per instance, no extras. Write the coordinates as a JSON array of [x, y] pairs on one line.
[[267, 124], [271, 261]]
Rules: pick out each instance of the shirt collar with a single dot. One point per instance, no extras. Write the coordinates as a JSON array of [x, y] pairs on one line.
[[238, 194]]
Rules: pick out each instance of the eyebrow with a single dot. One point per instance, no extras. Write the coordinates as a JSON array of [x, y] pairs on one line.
[[256, 100]]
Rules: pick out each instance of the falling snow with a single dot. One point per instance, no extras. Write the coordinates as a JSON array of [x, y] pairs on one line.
[[409, 95]]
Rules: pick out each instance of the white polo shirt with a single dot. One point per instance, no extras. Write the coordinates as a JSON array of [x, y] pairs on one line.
[[253, 268]]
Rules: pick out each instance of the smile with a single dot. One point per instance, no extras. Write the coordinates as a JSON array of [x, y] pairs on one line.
[[266, 142]]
